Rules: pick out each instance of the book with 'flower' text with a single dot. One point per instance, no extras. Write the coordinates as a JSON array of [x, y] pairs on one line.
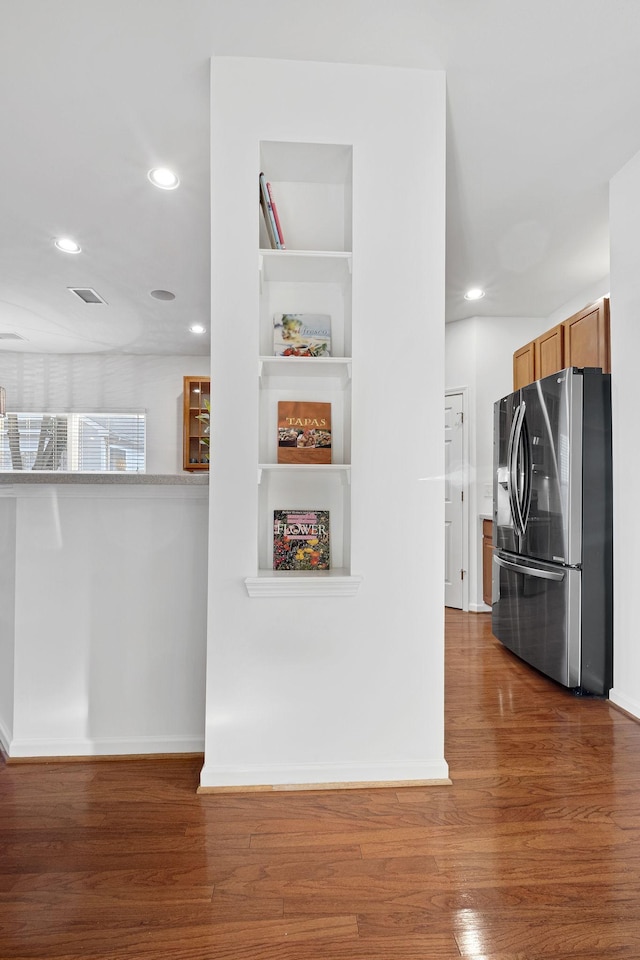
[[301, 540]]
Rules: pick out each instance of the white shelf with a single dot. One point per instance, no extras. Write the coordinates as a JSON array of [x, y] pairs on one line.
[[335, 367], [305, 266], [305, 469], [294, 583]]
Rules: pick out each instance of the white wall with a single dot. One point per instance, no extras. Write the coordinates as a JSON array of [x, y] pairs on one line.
[[103, 591], [346, 689], [109, 601], [624, 218], [479, 356], [92, 383]]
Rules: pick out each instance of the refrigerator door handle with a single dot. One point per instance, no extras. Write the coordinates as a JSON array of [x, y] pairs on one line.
[[530, 571], [511, 473], [524, 451], [513, 457]]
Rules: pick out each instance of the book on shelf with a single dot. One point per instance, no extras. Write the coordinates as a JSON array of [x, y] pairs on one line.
[[301, 335], [275, 216], [301, 540], [275, 239], [304, 432]]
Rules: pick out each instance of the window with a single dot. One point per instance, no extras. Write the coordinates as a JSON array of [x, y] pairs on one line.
[[73, 442]]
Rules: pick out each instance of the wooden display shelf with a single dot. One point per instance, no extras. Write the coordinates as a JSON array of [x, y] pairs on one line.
[[196, 394]]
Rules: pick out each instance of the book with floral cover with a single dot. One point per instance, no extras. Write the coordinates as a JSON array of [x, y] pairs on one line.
[[304, 432], [302, 335], [301, 540]]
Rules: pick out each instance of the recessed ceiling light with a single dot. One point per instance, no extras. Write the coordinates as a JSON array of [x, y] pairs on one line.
[[475, 293], [162, 295], [197, 328], [67, 245], [164, 178]]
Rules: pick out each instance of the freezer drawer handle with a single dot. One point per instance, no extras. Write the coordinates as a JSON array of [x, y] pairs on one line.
[[529, 571]]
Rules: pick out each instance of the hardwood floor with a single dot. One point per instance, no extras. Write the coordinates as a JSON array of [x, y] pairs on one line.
[[532, 853]]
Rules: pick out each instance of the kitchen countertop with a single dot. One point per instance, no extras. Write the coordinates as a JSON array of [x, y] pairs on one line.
[[54, 476]]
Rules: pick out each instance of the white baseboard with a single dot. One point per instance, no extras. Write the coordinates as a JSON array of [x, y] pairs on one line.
[[104, 747], [318, 775], [479, 608], [628, 704]]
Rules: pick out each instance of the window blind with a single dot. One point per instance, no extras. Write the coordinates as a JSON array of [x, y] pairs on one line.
[[73, 442]]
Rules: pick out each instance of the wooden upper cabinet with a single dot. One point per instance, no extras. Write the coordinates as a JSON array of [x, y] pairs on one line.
[[196, 407], [524, 366], [549, 352], [580, 341], [586, 337]]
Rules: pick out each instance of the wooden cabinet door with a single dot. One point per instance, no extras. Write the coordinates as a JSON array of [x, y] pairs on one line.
[[586, 337], [487, 560], [549, 352], [196, 406], [524, 366]]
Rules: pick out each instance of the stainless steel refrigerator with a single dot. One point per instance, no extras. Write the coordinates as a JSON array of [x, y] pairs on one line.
[[552, 531]]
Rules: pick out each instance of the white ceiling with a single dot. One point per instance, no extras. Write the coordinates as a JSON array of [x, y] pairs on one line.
[[543, 107]]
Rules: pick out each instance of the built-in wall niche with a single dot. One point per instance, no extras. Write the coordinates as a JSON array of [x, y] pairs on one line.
[[312, 189], [306, 488], [318, 282], [311, 186], [327, 389]]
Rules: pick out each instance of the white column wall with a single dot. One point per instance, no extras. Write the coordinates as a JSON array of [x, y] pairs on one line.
[[337, 689], [625, 342]]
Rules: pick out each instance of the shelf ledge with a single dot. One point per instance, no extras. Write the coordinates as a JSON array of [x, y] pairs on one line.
[[338, 368], [319, 266], [342, 469], [329, 583]]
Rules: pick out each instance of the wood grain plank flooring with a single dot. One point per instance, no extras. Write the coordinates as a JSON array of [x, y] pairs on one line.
[[532, 853]]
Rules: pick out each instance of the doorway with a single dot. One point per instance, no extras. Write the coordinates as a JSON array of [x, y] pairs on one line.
[[456, 593]]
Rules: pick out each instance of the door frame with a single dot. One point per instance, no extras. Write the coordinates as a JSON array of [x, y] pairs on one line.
[[464, 392]]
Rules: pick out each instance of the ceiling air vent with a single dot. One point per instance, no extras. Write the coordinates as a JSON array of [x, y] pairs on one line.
[[11, 336], [86, 294]]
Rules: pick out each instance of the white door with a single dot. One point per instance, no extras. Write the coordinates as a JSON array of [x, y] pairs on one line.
[[453, 499]]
